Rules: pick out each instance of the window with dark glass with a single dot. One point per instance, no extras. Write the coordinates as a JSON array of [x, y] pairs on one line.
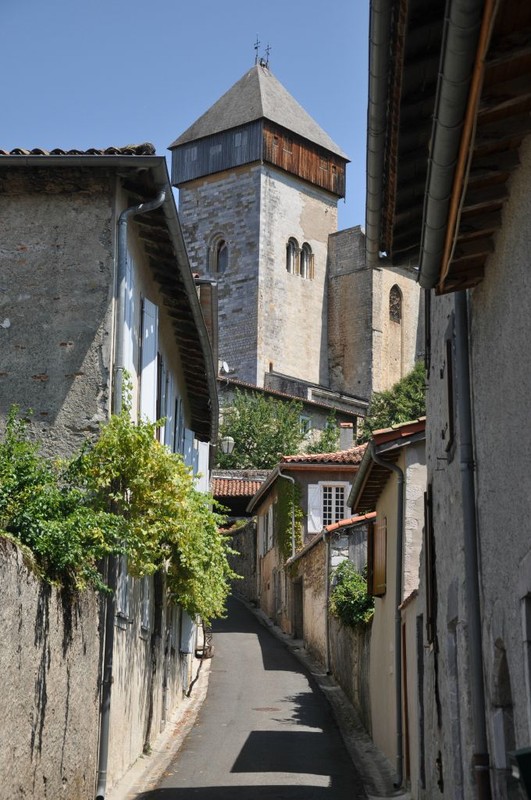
[[292, 256], [306, 261], [395, 304]]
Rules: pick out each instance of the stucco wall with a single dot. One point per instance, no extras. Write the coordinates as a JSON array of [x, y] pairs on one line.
[[49, 662], [56, 345], [500, 331]]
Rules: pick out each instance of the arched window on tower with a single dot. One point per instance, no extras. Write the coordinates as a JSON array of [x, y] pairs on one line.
[[292, 256], [222, 257], [218, 258], [395, 304], [306, 269]]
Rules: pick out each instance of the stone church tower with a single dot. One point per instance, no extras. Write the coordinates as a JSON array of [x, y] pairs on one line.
[[258, 183]]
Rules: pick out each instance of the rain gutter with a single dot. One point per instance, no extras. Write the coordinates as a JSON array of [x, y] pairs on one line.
[[463, 19], [379, 43]]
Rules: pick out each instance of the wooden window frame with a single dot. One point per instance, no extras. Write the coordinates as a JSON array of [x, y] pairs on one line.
[[377, 558]]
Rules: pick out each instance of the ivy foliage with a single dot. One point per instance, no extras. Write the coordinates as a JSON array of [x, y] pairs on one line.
[[125, 493], [405, 401], [290, 517], [263, 429], [349, 601]]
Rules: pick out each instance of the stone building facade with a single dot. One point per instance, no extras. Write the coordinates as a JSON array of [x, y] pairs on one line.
[[294, 302]]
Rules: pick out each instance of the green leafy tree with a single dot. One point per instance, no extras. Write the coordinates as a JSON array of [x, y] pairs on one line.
[[349, 600], [263, 429], [405, 401], [328, 440]]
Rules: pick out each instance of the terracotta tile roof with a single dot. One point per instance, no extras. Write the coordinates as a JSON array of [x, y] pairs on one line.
[[239, 483], [351, 456], [144, 149], [346, 523], [399, 431]]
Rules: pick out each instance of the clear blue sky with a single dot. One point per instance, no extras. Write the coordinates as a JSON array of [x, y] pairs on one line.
[[95, 73]]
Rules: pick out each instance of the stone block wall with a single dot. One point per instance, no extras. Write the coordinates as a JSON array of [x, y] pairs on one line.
[[49, 662], [228, 205], [350, 314], [293, 310]]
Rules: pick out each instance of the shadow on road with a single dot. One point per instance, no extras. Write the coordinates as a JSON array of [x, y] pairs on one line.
[[275, 656], [250, 792]]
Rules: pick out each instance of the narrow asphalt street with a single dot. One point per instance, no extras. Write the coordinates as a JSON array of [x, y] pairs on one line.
[[264, 732]]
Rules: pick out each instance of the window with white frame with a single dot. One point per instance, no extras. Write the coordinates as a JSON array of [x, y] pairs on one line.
[[326, 504], [333, 504]]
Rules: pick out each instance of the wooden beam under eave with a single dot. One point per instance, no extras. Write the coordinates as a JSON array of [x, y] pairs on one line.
[[472, 248]]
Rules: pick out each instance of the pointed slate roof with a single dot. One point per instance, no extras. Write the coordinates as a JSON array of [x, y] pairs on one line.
[[258, 95]]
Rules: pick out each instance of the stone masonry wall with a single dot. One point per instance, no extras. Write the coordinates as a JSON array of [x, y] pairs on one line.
[[49, 663], [228, 205], [292, 318], [56, 262], [350, 314]]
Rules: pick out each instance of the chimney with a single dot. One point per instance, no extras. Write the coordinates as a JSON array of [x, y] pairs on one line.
[[346, 435]]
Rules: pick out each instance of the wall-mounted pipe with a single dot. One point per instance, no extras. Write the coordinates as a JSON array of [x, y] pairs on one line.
[[112, 563], [472, 587], [398, 601], [379, 37], [460, 38]]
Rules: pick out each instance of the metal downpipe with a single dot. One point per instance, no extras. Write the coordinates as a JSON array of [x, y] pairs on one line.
[[398, 601], [379, 36], [461, 33], [472, 587], [112, 562]]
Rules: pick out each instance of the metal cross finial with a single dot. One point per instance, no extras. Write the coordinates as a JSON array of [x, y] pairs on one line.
[[256, 46], [268, 50]]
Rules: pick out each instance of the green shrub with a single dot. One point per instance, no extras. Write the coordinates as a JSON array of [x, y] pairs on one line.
[[349, 601], [403, 402]]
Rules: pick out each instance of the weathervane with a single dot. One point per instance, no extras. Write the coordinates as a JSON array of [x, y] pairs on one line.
[[264, 62]]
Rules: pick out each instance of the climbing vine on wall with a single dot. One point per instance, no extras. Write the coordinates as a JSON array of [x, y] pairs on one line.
[[289, 517], [125, 493]]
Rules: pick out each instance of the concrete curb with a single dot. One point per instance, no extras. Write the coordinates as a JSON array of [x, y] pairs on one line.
[[147, 771], [373, 767]]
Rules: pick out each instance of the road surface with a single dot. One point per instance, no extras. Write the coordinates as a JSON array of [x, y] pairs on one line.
[[264, 732]]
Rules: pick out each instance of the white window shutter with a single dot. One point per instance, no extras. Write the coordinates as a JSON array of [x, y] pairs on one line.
[[315, 509], [148, 365], [168, 411], [188, 454]]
